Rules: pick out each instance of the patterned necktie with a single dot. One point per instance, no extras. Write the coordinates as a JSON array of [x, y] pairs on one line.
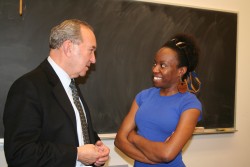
[[80, 110]]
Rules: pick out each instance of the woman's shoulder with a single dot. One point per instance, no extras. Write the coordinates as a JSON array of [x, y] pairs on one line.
[[149, 91], [189, 95], [190, 98], [145, 94]]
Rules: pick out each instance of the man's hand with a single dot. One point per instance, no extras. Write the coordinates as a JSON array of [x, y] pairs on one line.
[[96, 154], [103, 153], [88, 154]]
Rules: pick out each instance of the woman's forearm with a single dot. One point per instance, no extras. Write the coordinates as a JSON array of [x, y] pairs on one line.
[[130, 150]]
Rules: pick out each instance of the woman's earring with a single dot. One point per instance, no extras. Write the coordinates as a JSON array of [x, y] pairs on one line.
[[182, 85]]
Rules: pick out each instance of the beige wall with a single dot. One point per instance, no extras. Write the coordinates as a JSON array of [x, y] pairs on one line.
[[230, 150]]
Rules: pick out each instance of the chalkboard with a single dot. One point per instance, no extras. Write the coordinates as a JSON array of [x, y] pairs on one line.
[[128, 35]]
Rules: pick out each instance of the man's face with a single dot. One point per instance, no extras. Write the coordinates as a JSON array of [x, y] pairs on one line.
[[83, 54]]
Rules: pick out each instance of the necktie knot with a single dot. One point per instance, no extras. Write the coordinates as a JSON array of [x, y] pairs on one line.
[[72, 85]]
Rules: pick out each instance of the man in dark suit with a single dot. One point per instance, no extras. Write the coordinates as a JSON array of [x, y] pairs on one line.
[[42, 124]]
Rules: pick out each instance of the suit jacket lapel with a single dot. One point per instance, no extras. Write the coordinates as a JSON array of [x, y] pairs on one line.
[[59, 92], [63, 100]]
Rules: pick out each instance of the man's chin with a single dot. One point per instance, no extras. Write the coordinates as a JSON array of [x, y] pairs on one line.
[[82, 74]]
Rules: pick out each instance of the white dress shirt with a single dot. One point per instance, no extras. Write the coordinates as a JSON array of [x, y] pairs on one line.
[[65, 80]]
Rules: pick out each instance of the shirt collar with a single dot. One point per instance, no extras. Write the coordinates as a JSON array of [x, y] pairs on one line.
[[63, 76]]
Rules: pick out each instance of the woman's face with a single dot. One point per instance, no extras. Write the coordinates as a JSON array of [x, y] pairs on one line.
[[166, 73]]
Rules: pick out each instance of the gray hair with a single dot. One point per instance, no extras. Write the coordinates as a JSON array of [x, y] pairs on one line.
[[67, 30]]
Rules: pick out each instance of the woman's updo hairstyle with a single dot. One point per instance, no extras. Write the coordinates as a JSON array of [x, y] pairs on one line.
[[187, 51]]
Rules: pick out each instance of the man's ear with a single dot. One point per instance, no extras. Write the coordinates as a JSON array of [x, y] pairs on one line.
[[66, 47]]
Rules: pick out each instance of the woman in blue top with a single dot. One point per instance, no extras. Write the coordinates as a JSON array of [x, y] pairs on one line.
[[162, 118]]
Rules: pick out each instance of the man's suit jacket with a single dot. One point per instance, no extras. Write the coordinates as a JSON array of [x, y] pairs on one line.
[[40, 123]]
